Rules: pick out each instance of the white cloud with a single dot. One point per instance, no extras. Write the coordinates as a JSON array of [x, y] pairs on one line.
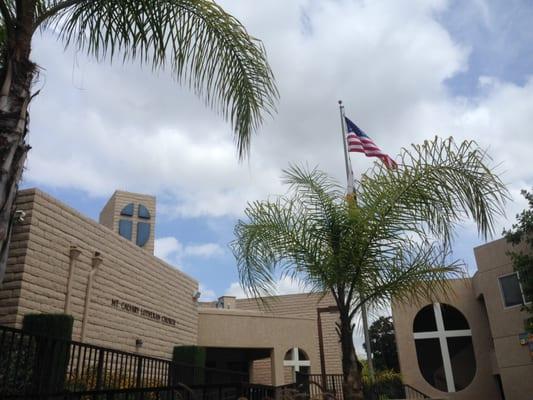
[[173, 251], [123, 127], [284, 285], [235, 289], [166, 246], [203, 250], [206, 293]]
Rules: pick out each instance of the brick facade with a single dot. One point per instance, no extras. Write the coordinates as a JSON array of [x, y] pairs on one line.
[[37, 275], [120, 292]]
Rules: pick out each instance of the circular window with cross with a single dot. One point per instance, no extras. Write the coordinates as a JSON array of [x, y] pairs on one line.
[[298, 360], [128, 220], [444, 349]]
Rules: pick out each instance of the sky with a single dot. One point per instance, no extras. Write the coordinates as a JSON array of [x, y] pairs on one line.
[[405, 70]]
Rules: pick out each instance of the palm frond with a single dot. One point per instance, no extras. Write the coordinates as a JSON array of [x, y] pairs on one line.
[[206, 49], [393, 244], [417, 271], [438, 185]]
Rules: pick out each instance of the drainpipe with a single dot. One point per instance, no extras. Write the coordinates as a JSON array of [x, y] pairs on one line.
[[96, 261], [73, 256]]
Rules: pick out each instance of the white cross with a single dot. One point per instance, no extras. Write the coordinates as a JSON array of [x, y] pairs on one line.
[[295, 361], [442, 334]]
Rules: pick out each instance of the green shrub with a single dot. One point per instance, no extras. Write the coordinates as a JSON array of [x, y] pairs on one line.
[[189, 364], [16, 364], [52, 325], [52, 352], [386, 385]]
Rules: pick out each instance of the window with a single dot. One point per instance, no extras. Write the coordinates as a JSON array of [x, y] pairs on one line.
[[127, 210], [143, 233], [143, 212], [127, 221], [298, 360], [444, 349], [511, 290], [125, 228]]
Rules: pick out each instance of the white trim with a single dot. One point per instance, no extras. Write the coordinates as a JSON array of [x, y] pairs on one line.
[[436, 334], [450, 384], [297, 364]]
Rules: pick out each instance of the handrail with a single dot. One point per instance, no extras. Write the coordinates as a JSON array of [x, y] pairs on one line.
[[425, 396]]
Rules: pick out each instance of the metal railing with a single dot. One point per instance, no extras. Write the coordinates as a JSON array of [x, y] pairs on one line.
[[229, 391], [412, 393], [316, 385], [330, 386], [41, 367], [34, 364]]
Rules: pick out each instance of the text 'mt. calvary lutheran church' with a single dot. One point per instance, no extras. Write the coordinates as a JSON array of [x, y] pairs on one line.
[[467, 346]]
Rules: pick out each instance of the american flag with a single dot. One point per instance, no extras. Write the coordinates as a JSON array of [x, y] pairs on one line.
[[359, 142]]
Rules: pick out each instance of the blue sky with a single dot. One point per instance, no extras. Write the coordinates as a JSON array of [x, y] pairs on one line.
[[405, 70], [500, 37]]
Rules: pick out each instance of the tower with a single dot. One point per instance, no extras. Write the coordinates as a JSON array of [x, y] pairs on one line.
[[132, 216]]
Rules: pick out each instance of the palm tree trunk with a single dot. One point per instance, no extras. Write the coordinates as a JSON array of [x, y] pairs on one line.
[[352, 385], [17, 73]]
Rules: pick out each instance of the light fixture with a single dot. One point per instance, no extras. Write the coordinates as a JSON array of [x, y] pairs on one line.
[[138, 342], [19, 216]]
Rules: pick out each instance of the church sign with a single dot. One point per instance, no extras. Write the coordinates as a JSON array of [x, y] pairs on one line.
[[142, 312]]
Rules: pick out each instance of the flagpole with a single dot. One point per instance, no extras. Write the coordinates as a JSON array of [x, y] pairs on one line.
[[350, 192], [349, 172]]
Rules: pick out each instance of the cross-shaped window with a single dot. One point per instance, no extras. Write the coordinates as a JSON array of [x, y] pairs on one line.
[[127, 219], [443, 342], [298, 360]]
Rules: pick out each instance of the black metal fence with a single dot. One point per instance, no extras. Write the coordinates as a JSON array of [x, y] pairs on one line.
[[179, 392], [41, 367], [31, 365], [412, 393], [329, 386], [316, 385]]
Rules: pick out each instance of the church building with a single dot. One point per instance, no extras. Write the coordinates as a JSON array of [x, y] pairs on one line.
[[121, 296], [470, 343]]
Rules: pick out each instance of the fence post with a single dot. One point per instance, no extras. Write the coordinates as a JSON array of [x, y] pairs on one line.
[[100, 370], [170, 378], [138, 381]]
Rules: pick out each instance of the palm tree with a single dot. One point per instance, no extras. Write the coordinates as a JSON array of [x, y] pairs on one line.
[[207, 49], [394, 242]]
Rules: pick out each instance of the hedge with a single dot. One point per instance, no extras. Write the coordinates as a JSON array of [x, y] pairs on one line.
[[52, 352]]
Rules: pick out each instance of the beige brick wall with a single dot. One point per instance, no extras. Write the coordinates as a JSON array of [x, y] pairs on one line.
[[261, 372], [305, 305], [107, 215], [11, 287], [38, 269]]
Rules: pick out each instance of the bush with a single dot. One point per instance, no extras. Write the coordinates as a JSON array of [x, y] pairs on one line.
[[189, 364], [52, 352], [16, 364], [386, 385], [57, 326]]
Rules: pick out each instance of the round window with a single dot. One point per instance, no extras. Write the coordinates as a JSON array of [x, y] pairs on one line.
[[444, 350]]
